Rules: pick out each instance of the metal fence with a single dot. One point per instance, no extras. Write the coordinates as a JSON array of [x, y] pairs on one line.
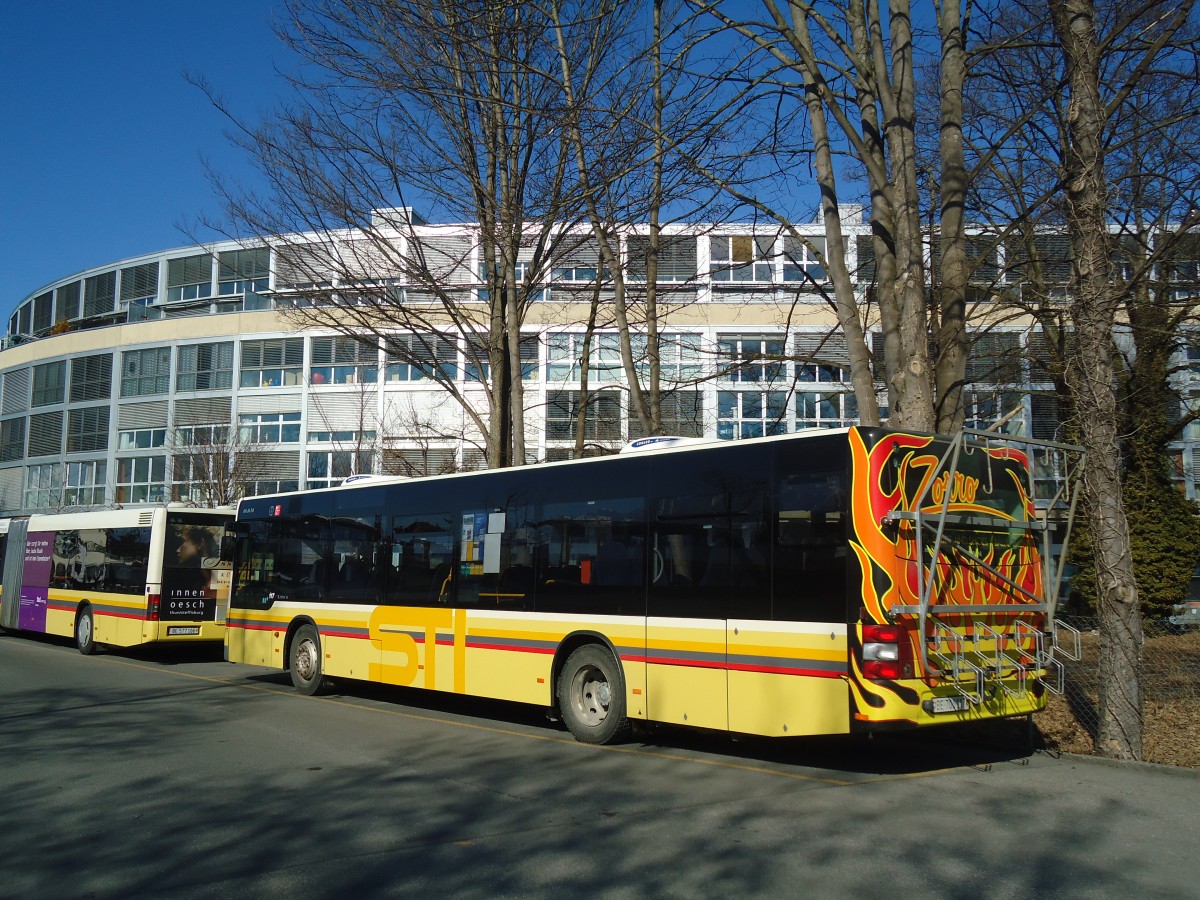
[[1170, 684]]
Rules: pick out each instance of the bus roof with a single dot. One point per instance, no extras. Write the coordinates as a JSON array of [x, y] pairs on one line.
[[692, 445]]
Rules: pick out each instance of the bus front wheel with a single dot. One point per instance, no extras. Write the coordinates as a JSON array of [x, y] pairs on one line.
[[304, 660], [85, 631], [591, 696]]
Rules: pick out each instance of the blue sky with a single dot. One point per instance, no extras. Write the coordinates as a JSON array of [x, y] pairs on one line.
[[102, 142]]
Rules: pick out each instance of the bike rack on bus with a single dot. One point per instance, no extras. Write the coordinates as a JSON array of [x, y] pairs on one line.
[[979, 654]]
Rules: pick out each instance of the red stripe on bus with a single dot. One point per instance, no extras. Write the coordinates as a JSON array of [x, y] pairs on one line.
[[787, 670], [690, 663], [479, 645]]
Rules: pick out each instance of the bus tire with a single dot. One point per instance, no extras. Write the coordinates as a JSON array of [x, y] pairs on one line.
[[591, 696], [85, 631], [304, 660]]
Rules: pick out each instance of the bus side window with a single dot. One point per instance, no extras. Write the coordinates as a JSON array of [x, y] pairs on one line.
[[420, 570], [811, 551], [352, 566]]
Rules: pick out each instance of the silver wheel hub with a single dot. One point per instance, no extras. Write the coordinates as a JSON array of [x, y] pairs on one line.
[[591, 695], [306, 660]]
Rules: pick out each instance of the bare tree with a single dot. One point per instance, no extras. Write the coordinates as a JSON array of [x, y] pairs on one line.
[[634, 132], [852, 67], [1094, 308], [446, 102], [213, 465]]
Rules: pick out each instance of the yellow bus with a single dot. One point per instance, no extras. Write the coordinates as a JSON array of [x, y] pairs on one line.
[[118, 577], [818, 583]]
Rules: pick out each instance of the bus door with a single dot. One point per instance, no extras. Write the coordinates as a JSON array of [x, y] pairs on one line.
[[14, 571], [788, 675], [685, 624]]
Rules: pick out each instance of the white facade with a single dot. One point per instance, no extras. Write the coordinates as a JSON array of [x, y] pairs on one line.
[[115, 382]]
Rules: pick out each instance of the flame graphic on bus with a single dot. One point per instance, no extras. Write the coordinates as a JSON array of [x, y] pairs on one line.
[[892, 475]]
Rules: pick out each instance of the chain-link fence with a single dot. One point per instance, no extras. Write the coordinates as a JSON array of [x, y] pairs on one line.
[[1170, 682]]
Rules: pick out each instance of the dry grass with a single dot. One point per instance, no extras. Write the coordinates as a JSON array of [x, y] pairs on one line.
[[1171, 702]]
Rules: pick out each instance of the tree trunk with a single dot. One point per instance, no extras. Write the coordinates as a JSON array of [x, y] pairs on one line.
[[1090, 372], [951, 365]]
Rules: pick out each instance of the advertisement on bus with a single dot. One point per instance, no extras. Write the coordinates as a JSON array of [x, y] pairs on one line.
[[195, 580]]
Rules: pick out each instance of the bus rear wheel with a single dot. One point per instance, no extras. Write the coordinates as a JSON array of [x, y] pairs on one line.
[[591, 696], [85, 631], [304, 660]]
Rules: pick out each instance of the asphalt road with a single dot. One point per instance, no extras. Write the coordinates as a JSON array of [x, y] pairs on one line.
[[163, 774]]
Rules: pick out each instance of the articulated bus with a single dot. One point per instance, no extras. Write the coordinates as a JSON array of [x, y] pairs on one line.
[[818, 583], [117, 577]]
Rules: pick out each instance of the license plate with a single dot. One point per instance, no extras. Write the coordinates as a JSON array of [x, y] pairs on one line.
[[950, 704], [183, 629]]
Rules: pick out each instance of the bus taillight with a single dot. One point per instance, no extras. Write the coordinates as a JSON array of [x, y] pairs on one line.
[[152, 603], [885, 653]]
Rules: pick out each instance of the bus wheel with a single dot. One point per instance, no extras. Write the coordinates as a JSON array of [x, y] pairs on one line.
[[591, 696], [85, 631], [304, 660]]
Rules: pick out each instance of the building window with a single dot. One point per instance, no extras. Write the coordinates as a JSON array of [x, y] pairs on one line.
[[751, 414], [415, 357], [271, 486], [800, 263], [564, 353], [574, 273], [343, 360], [272, 363], [87, 429], [46, 433], [820, 373], [189, 278], [244, 271], [477, 366], [741, 257], [985, 408], [91, 378], [678, 357], [201, 477], [416, 462], [329, 468], [141, 438], [139, 284], [66, 302], [49, 383], [84, 483], [269, 428], [340, 437], [141, 480], [99, 294], [204, 367], [603, 421], [145, 372], [825, 409], [43, 312], [190, 476], [12, 439], [681, 412], [676, 257], [752, 358], [995, 358], [579, 259], [201, 435], [43, 486]]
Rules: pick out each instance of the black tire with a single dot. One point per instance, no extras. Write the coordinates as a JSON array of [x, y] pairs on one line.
[[304, 660], [85, 631], [591, 696]]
